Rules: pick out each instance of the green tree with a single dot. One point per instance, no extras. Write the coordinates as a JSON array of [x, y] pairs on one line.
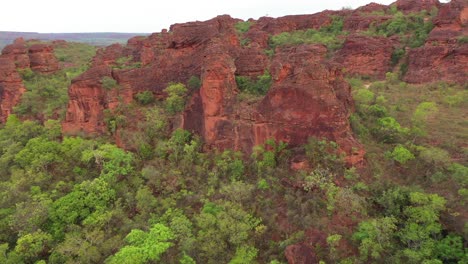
[[175, 101], [244, 255], [376, 237], [87, 203], [33, 246], [424, 111], [144, 246], [401, 154], [144, 98]]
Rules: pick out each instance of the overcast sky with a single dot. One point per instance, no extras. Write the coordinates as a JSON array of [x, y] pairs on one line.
[[46, 16]]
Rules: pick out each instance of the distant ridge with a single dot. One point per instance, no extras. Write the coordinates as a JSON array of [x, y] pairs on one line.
[[97, 39]]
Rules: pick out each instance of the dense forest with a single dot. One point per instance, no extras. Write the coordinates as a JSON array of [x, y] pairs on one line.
[[164, 198]]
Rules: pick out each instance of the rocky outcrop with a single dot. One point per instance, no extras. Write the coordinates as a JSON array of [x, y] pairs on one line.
[[39, 57], [309, 97], [42, 58], [443, 57], [408, 6], [11, 87], [18, 53], [366, 56]]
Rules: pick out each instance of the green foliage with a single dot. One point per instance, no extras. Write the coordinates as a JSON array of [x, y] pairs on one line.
[[243, 26], [244, 255], [260, 86], [109, 83], [364, 96], [397, 54], [231, 227], [263, 185], [388, 130], [324, 154], [335, 27], [86, 203], [186, 259], [356, 83], [229, 164], [376, 237], [46, 96], [30, 246], [450, 249], [126, 63], [269, 156], [330, 37], [144, 98], [322, 180], [143, 247], [194, 83], [458, 99], [401, 154], [459, 173], [175, 102], [462, 39], [79, 54], [424, 111], [113, 161], [409, 234], [414, 26]]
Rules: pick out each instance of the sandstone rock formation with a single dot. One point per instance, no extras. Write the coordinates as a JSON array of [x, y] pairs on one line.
[[18, 53], [309, 97], [38, 57], [417, 5], [443, 57], [42, 58], [11, 87], [366, 56]]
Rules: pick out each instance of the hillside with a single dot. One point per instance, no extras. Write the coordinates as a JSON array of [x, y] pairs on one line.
[[96, 39], [335, 137]]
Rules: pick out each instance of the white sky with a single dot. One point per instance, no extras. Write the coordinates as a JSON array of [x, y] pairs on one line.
[[54, 16]]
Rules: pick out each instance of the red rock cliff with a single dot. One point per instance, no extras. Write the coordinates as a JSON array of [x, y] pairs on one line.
[[11, 87], [39, 58], [309, 96]]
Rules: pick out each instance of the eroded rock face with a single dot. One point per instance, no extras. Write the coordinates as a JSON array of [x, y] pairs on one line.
[[443, 57], [364, 55], [408, 6], [17, 52], [17, 56], [309, 97], [42, 58], [11, 87]]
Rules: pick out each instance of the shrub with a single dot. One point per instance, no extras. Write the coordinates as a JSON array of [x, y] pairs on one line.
[[423, 112], [175, 102], [260, 86], [144, 98], [332, 40], [388, 130], [356, 83], [108, 83], [401, 154], [194, 83], [462, 39], [364, 96], [243, 26]]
